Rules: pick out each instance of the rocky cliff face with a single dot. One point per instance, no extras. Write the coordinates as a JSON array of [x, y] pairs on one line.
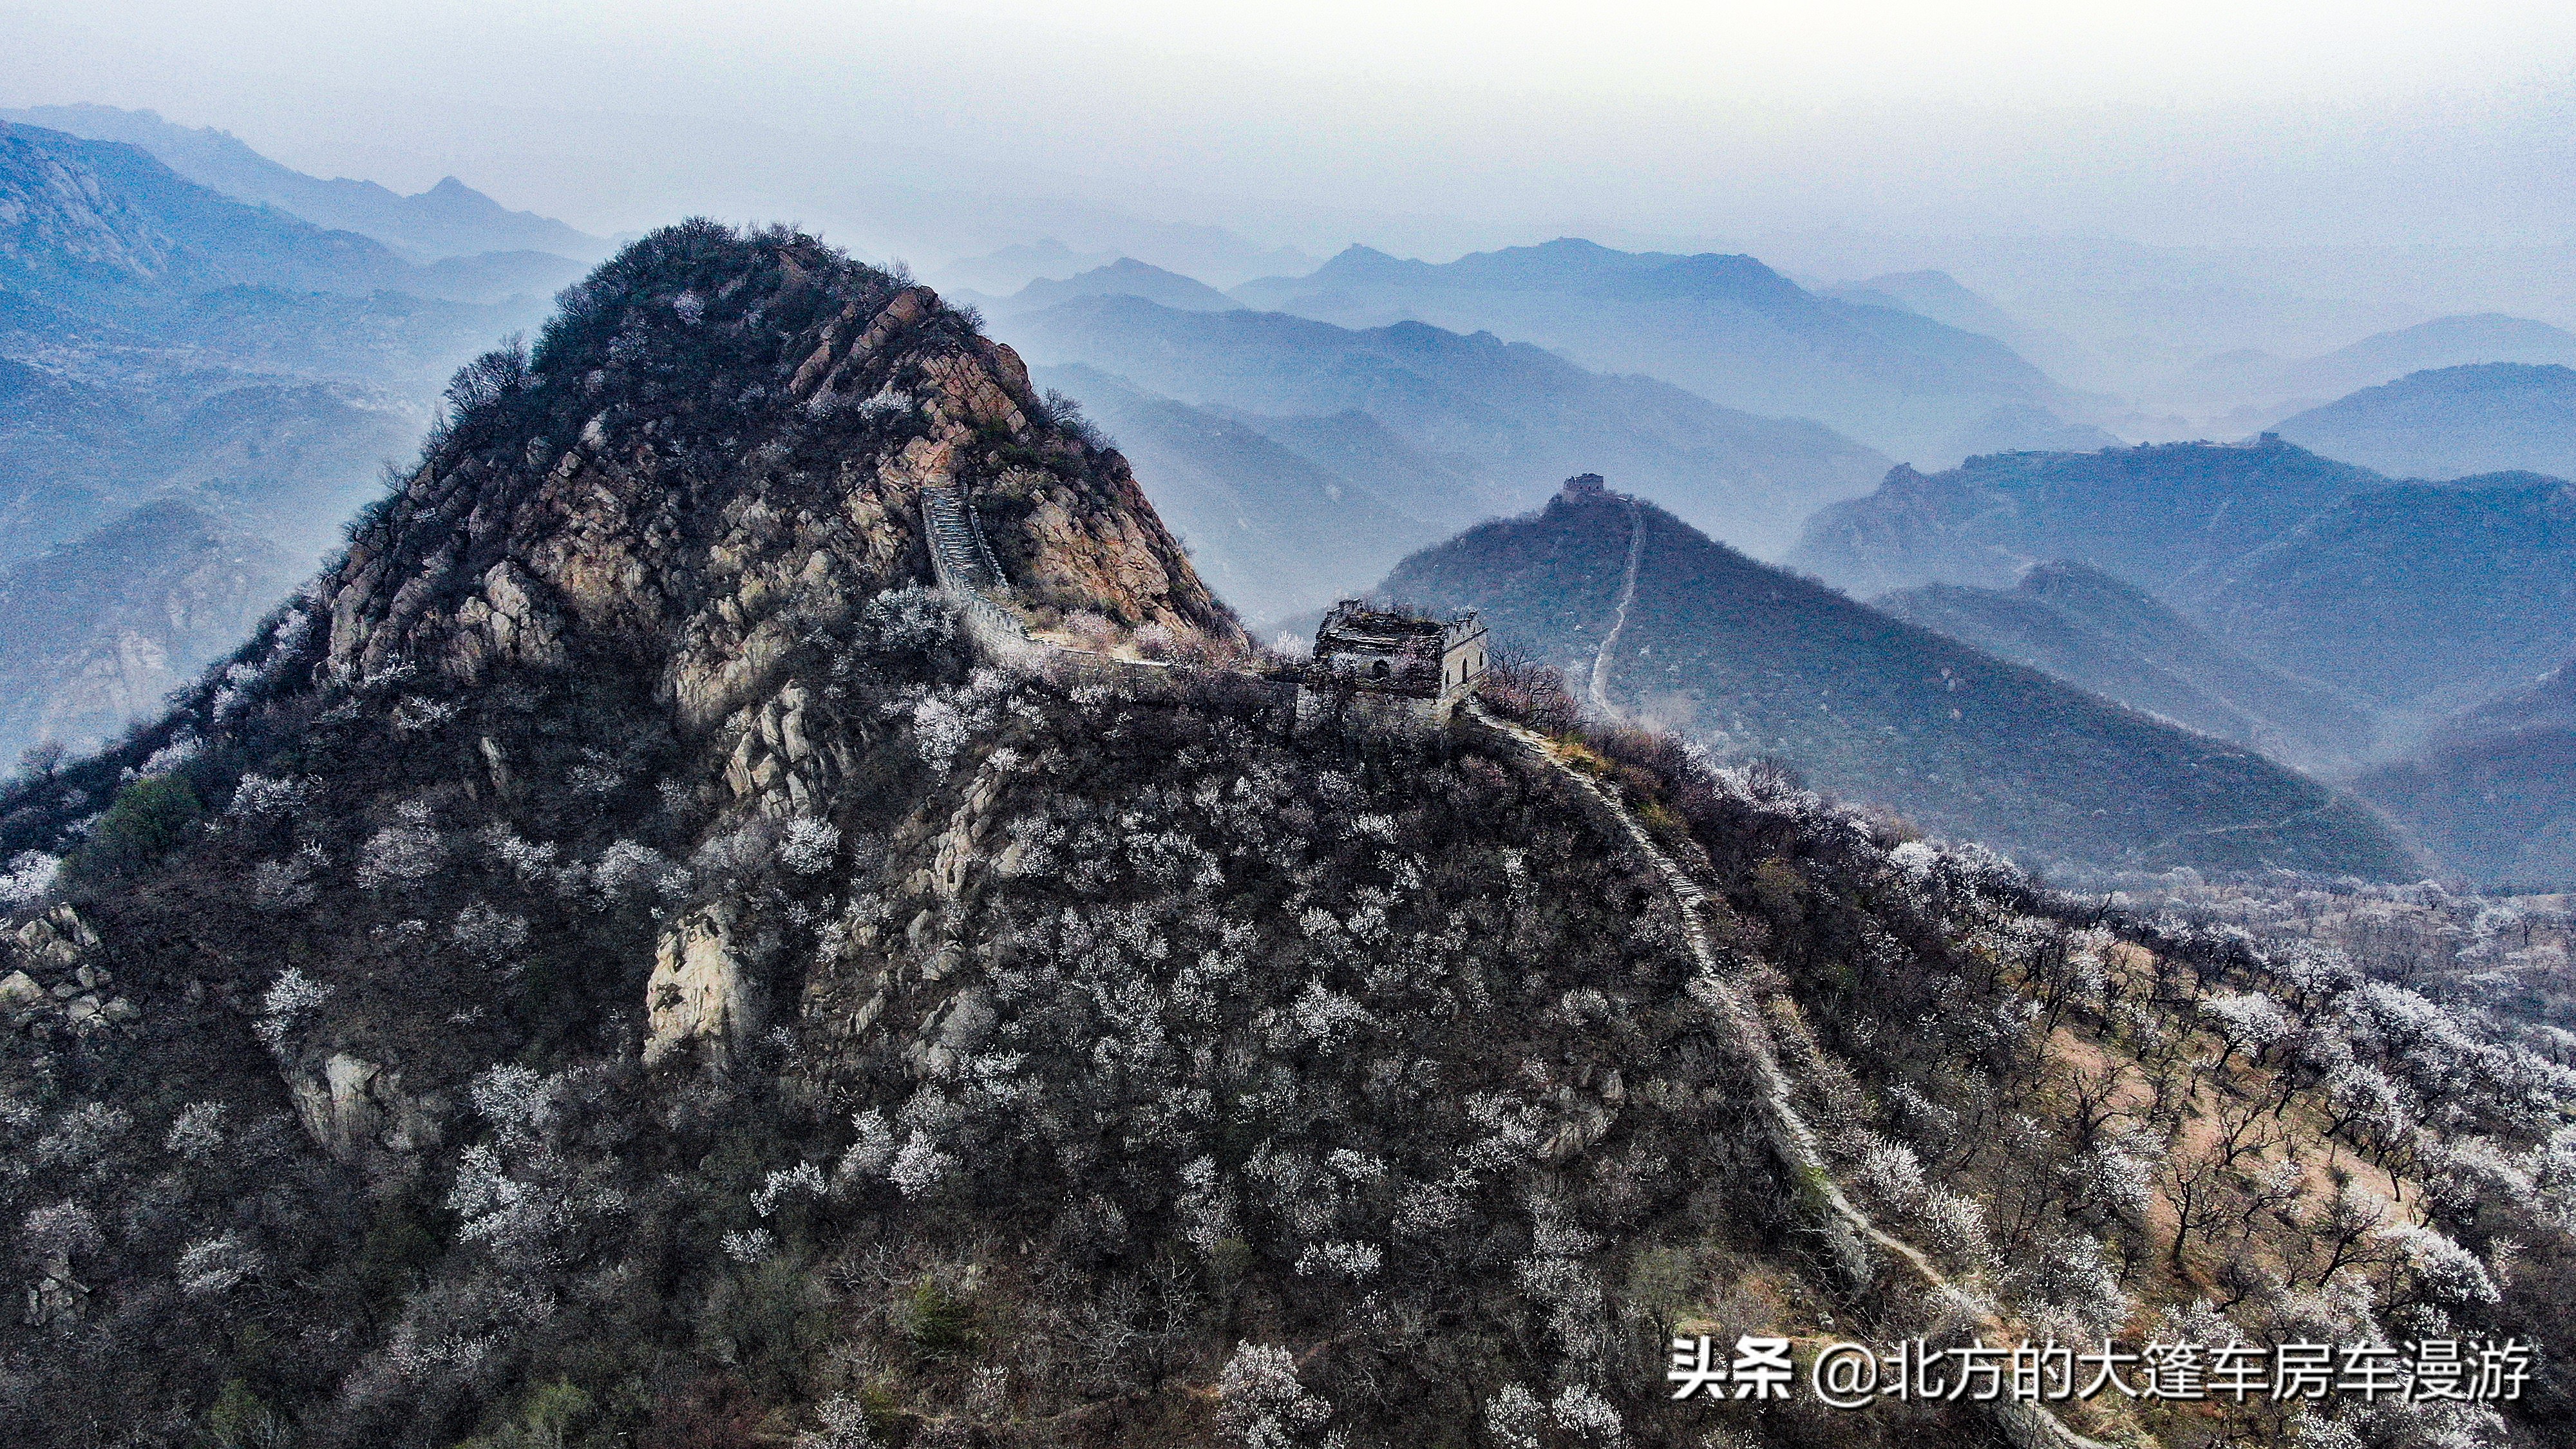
[[700, 462], [612, 964]]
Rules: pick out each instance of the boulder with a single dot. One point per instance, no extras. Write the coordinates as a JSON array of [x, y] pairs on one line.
[[699, 992], [357, 1104]]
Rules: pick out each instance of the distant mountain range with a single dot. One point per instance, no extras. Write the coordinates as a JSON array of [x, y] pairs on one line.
[[1008, 269], [103, 222], [2092, 629], [1944, 298], [2021, 428], [286, 461], [195, 392], [1754, 662], [1273, 530], [1125, 277], [2309, 607], [95, 632], [2415, 598], [2548, 702], [2167, 516], [2452, 422], [450, 219], [1725, 327], [2418, 600], [2495, 792], [2262, 383], [1511, 417]]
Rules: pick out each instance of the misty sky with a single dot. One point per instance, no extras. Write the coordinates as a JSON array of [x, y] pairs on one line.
[[1426, 128]]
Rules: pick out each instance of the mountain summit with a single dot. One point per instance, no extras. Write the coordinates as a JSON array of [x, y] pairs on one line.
[[622, 962], [1754, 661], [714, 440]]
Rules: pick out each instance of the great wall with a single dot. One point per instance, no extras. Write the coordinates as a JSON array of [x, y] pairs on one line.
[[963, 565]]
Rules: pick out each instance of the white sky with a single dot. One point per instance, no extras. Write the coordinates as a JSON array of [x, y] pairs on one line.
[[1412, 125]]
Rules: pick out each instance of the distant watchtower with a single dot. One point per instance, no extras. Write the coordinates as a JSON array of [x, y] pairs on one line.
[[1386, 651]]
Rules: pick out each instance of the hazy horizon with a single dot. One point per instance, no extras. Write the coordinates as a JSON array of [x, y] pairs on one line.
[[1433, 130]]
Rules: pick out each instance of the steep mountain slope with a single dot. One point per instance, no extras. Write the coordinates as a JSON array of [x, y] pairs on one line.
[[614, 967], [1726, 327], [1125, 277], [2444, 342], [450, 219], [2169, 516], [2549, 701], [2500, 810], [1514, 416], [94, 633], [1272, 532], [102, 221], [2490, 418], [1944, 299], [175, 513], [2416, 598], [1758, 662], [2101, 634]]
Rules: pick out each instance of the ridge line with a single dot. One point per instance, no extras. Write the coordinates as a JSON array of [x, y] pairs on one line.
[[2026, 1425], [1619, 613]]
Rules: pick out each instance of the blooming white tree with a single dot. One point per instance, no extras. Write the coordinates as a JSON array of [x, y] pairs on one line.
[[28, 877], [212, 1266], [844, 1426], [809, 846], [289, 997], [400, 855], [489, 935], [1514, 1416], [1260, 1402], [64, 1230], [1580, 1411], [197, 1133], [786, 1183], [2248, 1024]]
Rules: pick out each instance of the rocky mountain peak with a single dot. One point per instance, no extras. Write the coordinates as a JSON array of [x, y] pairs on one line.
[[720, 440]]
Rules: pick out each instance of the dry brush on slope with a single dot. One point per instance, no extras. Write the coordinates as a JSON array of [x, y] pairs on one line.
[[611, 966]]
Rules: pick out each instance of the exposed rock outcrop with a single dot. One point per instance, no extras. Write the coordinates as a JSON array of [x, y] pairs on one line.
[[701, 994], [354, 1104]]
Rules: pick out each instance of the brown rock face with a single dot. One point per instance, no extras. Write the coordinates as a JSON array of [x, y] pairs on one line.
[[758, 471]]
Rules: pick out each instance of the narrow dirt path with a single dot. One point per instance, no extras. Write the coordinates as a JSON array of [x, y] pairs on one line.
[[1789, 1134], [1619, 615]]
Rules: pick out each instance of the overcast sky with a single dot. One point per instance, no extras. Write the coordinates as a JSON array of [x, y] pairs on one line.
[[1424, 127]]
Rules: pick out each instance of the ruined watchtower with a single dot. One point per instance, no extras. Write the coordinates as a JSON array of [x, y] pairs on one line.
[[1393, 652]]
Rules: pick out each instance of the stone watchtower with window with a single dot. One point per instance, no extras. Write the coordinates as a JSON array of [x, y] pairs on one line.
[[1428, 662]]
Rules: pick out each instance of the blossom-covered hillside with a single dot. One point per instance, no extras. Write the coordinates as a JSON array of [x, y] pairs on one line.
[[614, 964]]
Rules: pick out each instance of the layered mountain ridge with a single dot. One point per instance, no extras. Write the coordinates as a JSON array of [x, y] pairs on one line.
[[611, 963], [1512, 417], [450, 219], [1756, 662], [104, 220], [1725, 326], [2418, 600], [163, 345]]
